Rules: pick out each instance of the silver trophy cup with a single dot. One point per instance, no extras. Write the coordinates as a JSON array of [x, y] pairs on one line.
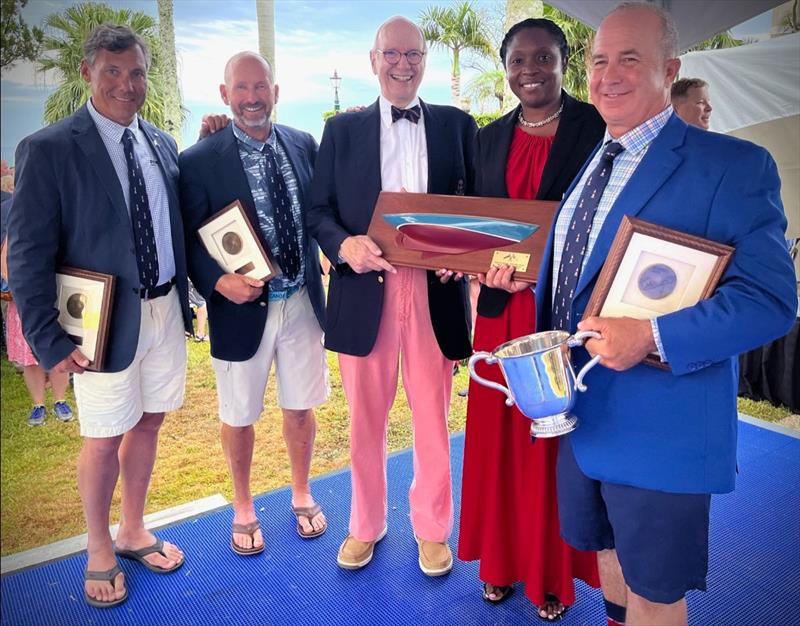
[[540, 378]]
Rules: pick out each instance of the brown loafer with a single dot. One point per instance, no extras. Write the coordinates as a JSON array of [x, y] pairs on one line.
[[435, 558], [355, 554]]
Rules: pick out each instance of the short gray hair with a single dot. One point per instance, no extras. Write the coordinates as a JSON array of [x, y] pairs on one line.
[[669, 31], [114, 38]]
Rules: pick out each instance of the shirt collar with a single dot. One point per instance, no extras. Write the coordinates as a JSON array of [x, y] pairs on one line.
[[386, 109], [254, 144], [109, 128], [639, 138]]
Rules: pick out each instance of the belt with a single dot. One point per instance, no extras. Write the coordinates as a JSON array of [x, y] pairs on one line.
[[157, 291], [283, 294]]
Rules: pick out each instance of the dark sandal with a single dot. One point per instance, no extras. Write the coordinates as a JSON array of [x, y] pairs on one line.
[[551, 598], [250, 530], [501, 590], [309, 512], [107, 576], [138, 555]]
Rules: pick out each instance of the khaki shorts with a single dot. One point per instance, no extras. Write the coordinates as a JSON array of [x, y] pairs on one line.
[[112, 403], [293, 340]]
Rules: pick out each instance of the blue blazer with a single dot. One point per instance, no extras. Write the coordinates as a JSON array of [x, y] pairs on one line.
[[676, 431], [212, 176], [346, 185], [69, 209]]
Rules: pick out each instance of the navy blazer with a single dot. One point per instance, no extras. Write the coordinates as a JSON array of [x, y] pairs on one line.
[[69, 209], [579, 132], [675, 431], [212, 176], [346, 185]]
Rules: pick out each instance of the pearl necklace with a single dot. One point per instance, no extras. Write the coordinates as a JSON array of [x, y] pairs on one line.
[[544, 122]]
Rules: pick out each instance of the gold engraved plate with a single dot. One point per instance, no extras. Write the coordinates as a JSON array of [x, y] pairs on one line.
[[519, 260]]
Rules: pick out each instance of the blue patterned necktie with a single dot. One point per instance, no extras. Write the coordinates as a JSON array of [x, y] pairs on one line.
[[578, 235], [143, 234], [289, 251]]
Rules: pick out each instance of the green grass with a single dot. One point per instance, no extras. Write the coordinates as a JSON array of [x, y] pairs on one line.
[[40, 502]]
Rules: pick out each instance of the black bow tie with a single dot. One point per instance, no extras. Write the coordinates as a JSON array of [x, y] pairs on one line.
[[412, 114]]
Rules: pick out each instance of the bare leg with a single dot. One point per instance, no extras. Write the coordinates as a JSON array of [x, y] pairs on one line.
[[299, 431], [35, 380], [611, 578], [237, 444], [137, 455], [59, 381], [202, 318], [98, 470]]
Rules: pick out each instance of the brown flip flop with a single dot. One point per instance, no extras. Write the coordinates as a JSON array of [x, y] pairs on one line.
[[105, 575], [309, 512], [250, 530], [138, 555]]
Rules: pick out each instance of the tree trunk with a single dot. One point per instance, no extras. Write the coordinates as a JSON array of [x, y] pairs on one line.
[[173, 110], [516, 11], [265, 12], [455, 80]]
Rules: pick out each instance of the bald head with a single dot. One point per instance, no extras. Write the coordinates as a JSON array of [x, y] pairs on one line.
[[399, 80], [250, 92], [393, 24]]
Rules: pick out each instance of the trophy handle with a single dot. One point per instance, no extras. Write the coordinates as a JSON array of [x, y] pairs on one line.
[[490, 360], [578, 339]]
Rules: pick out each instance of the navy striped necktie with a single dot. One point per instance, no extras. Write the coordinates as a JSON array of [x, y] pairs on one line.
[[578, 236], [288, 248], [144, 236]]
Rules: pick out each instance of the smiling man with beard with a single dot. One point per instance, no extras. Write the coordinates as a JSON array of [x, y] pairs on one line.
[[381, 317], [267, 167]]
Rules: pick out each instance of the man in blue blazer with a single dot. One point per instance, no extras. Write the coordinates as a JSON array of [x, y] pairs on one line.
[[267, 168], [99, 191], [376, 312], [635, 478]]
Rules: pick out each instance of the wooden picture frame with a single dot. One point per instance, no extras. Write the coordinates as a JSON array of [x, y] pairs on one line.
[[652, 270], [462, 233], [230, 239], [84, 301]]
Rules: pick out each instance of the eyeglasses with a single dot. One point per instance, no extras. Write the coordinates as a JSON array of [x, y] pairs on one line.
[[414, 57]]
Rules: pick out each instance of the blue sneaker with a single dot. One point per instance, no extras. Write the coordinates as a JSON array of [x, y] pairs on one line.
[[36, 418], [62, 411]]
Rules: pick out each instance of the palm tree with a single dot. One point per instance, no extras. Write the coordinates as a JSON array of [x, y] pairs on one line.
[[456, 28], [62, 51], [173, 111], [265, 13], [487, 85], [579, 38]]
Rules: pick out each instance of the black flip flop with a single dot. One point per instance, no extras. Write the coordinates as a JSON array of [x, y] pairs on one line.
[[503, 590], [549, 597], [138, 555], [108, 576]]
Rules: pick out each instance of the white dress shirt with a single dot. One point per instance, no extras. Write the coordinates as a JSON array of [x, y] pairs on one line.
[[404, 153]]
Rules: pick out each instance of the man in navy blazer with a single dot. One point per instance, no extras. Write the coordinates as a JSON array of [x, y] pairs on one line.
[[252, 325], [78, 189], [378, 315], [635, 478]]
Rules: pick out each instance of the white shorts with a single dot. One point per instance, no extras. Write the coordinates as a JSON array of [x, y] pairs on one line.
[[293, 339], [112, 403]]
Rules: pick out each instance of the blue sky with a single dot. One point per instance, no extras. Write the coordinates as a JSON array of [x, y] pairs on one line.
[[313, 37]]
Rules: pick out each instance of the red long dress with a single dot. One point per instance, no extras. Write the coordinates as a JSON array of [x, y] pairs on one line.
[[509, 510]]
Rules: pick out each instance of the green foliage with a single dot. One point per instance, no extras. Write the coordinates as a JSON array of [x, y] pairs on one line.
[[457, 28], [63, 51], [486, 86], [18, 41], [482, 119], [717, 42], [326, 115], [579, 37]]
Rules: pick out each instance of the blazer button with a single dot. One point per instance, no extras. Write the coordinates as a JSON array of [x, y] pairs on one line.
[[135, 290], [262, 304], [380, 279]]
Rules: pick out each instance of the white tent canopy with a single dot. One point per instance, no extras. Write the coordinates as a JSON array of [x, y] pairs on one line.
[[696, 19], [755, 92]]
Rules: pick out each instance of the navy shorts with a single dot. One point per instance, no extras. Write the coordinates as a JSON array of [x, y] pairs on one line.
[[661, 538]]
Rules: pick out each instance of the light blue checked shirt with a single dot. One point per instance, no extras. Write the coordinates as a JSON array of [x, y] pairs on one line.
[[636, 143], [251, 152], [111, 134]]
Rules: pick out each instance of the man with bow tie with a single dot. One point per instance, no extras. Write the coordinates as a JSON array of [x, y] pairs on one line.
[[381, 317]]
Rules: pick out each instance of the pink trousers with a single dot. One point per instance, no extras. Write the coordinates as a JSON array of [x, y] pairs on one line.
[[405, 340]]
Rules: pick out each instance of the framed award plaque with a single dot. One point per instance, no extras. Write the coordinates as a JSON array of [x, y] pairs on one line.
[[230, 239]]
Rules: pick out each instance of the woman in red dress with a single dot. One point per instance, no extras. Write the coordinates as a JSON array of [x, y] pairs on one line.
[[509, 512]]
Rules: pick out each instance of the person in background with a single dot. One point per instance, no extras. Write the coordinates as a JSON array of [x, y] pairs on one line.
[[381, 317], [198, 304], [655, 440], [267, 167], [691, 101], [99, 191], [509, 511]]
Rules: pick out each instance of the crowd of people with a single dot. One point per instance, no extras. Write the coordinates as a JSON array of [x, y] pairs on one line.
[[621, 503]]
